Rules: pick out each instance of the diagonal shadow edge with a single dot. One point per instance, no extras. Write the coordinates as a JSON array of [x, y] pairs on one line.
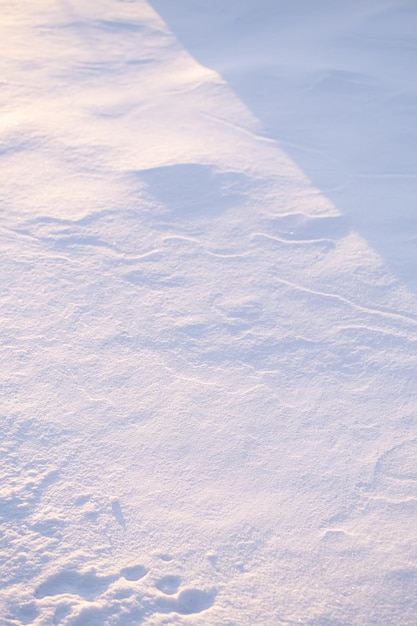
[[330, 80]]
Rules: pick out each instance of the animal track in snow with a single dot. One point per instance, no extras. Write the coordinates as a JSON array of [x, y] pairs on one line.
[[114, 597], [188, 601], [168, 584], [136, 572], [118, 513], [195, 601], [88, 585]]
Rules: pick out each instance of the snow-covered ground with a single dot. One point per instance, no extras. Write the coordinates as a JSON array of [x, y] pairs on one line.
[[209, 312]]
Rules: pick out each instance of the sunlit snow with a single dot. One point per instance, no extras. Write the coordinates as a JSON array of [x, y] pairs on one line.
[[209, 312]]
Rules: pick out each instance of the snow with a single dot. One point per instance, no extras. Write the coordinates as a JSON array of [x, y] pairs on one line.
[[209, 313]]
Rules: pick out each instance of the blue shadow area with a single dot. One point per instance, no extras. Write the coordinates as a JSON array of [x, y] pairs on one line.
[[334, 85], [192, 190]]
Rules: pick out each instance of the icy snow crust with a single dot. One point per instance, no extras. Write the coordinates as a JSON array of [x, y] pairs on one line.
[[209, 313]]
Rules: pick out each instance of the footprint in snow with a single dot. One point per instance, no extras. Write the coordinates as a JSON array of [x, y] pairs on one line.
[[88, 585], [168, 584], [135, 572], [189, 601]]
